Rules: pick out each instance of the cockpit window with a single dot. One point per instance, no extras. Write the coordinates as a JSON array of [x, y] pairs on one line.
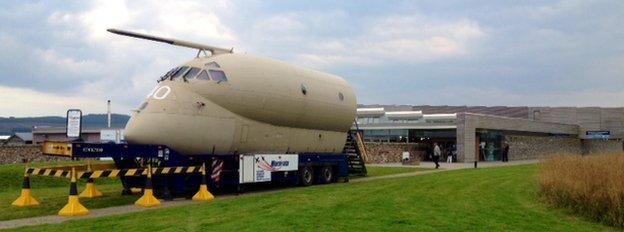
[[218, 75], [212, 65], [179, 72], [142, 106], [168, 74], [191, 73], [203, 75]]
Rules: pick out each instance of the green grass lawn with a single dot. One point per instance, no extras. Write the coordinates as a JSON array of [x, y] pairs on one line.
[[487, 199], [382, 171], [51, 193]]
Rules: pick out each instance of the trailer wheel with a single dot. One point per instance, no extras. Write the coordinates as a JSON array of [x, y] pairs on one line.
[[327, 174], [306, 175]]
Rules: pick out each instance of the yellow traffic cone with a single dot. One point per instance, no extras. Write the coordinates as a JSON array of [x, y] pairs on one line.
[[73, 206], [90, 190], [203, 194], [148, 199], [26, 198]]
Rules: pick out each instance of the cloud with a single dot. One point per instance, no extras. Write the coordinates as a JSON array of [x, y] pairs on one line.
[[40, 68], [167, 18], [550, 53], [21, 102], [79, 58], [404, 39], [493, 96]]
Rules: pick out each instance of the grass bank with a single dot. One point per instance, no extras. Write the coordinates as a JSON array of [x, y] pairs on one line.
[[52, 192], [382, 171], [489, 199], [591, 186]]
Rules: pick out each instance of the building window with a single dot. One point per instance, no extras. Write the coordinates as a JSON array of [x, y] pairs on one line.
[[536, 115]]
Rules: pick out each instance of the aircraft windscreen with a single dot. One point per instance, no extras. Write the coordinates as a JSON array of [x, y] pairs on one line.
[[168, 74], [218, 75], [203, 76], [191, 73], [179, 72], [212, 65]]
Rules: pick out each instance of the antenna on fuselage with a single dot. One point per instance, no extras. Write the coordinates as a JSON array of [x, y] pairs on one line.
[[201, 47]]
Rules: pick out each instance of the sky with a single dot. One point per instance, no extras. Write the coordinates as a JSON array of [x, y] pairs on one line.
[[56, 55]]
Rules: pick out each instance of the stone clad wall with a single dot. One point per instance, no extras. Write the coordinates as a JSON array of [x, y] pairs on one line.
[[467, 124], [381, 153], [522, 147], [602, 146], [11, 154], [588, 118], [536, 147]]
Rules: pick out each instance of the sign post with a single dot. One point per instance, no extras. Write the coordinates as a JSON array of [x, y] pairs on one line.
[[74, 124]]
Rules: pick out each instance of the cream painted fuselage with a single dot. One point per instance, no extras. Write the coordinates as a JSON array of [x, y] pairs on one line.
[[264, 106]]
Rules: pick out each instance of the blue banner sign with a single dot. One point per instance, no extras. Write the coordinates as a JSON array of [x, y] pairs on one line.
[[598, 134]]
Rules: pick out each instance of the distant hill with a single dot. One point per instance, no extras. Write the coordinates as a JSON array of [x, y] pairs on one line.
[[11, 125]]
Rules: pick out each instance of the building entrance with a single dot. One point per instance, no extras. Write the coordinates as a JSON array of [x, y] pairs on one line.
[[446, 139], [489, 145]]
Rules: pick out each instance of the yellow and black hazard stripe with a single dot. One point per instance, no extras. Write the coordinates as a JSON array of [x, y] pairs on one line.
[[132, 172], [48, 172], [139, 172]]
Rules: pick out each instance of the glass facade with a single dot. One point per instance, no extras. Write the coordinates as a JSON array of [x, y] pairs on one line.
[[489, 145], [384, 120], [421, 132], [388, 135], [407, 135]]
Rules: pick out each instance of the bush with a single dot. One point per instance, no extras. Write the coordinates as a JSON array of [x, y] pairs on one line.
[[591, 186]]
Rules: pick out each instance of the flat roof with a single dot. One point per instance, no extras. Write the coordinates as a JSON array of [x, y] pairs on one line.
[[26, 136], [407, 125], [61, 130]]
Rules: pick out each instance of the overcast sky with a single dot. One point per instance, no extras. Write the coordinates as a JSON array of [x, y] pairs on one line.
[[56, 55]]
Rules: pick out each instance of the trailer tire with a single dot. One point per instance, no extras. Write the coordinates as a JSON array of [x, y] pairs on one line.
[[306, 175], [327, 174]]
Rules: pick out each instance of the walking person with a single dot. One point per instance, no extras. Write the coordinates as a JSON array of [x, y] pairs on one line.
[[449, 156], [506, 153], [482, 151], [436, 154]]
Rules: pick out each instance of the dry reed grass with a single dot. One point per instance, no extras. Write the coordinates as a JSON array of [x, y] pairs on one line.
[[591, 186]]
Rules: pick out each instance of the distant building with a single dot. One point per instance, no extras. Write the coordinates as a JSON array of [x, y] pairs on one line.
[[4, 138], [89, 135], [478, 133], [20, 138]]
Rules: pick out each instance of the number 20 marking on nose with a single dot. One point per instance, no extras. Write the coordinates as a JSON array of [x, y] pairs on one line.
[[161, 93]]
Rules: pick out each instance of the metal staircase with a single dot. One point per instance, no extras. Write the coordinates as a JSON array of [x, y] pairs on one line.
[[356, 152]]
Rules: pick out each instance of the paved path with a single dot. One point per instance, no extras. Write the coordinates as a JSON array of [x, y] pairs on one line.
[[453, 166], [443, 167], [117, 210]]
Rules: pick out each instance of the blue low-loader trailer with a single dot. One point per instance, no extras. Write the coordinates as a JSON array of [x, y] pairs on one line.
[[176, 175]]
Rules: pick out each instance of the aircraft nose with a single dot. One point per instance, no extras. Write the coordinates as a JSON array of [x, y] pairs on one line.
[[141, 130], [154, 117]]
